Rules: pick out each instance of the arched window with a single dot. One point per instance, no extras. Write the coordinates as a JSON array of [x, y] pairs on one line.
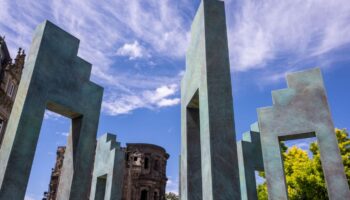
[[146, 164], [127, 155], [156, 195], [11, 89], [144, 194], [156, 165]]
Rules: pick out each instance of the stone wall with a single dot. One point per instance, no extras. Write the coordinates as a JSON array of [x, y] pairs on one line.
[[10, 76], [145, 174], [55, 175]]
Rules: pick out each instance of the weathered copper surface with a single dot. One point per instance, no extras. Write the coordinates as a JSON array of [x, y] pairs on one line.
[[53, 78], [250, 160], [209, 166], [108, 173], [301, 111]]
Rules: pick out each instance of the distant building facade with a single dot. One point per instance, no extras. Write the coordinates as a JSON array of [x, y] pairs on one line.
[[55, 175], [10, 77], [145, 174], [144, 177]]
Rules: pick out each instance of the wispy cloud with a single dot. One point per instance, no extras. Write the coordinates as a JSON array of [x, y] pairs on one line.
[[303, 144], [52, 116], [32, 197], [133, 51], [132, 28], [260, 33], [172, 185], [286, 31], [163, 96], [65, 134]]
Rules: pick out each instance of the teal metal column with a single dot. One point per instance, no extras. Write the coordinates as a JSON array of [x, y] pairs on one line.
[[209, 166], [56, 79], [301, 111], [108, 169], [249, 160]]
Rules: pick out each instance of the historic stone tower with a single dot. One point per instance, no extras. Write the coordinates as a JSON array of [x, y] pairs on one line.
[[145, 173], [55, 175], [10, 76]]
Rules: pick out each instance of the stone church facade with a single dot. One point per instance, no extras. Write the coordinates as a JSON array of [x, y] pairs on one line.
[[10, 76]]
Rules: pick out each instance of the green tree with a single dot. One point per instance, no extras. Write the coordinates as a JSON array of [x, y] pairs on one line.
[[171, 196], [304, 175], [344, 147]]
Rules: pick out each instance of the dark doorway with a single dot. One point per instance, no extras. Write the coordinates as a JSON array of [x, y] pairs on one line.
[[101, 188], [146, 163], [144, 195], [194, 171], [155, 196]]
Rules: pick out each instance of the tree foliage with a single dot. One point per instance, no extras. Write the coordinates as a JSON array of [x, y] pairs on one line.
[[171, 196], [304, 175]]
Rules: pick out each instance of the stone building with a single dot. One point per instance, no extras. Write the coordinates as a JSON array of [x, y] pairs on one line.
[[55, 174], [10, 76], [145, 173]]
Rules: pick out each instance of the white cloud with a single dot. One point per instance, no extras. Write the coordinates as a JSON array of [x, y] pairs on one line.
[[181, 73], [52, 115], [172, 185], [168, 102], [303, 144], [103, 30], [163, 96], [65, 134], [262, 31], [269, 30], [122, 105], [160, 93], [27, 197], [158, 24], [133, 51]]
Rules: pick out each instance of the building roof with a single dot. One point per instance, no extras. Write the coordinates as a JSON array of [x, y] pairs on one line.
[[4, 52], [146, 145]]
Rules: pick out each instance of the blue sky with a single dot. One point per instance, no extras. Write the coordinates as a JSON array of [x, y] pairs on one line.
[[137, 49]]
